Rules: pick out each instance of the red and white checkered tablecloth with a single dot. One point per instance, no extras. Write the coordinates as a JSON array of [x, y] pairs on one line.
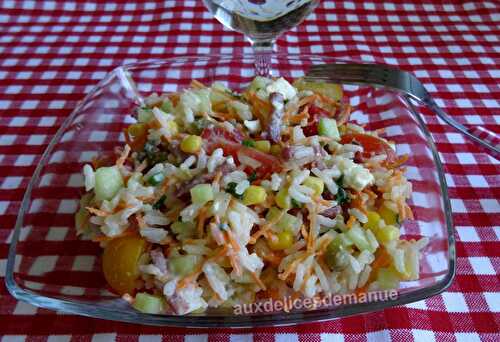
[[53, 52]]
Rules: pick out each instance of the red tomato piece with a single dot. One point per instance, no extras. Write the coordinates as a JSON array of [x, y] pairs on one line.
[[371, 145], [315, 113]]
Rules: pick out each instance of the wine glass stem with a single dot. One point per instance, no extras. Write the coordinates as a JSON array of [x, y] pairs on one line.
[[263, 51]]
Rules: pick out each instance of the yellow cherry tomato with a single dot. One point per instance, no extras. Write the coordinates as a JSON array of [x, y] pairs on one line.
[[120, 262]]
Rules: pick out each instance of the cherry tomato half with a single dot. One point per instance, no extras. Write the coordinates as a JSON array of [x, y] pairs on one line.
[[120, 262]]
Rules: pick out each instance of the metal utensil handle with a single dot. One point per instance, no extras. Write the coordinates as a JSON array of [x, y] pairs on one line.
[[432, 105]]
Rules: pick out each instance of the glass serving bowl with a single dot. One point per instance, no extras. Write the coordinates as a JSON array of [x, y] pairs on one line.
[[49, 266]]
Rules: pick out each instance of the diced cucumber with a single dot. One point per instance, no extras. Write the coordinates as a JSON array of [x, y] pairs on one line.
[[147, 303], [183, 265], [183, 230], [357, 235], [167, 106], [328, 127], [144, 115], [388, 278], [202, 193], [108, 181], [286, 222]]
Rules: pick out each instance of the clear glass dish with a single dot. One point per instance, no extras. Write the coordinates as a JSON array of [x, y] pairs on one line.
[[50, 267]]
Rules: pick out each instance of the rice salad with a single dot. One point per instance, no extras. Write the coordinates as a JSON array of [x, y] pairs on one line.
[[221, 198]]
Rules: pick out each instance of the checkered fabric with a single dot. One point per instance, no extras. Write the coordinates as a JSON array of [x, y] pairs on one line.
[[54, 52]]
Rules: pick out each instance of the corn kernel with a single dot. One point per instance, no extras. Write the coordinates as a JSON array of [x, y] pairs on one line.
[[386, 234], [275, 150], [191, 144], [316, 184], [281, 241], [373, 221], [282, 199], [263, 146], [389, 216], [254, 194], [173, 127]]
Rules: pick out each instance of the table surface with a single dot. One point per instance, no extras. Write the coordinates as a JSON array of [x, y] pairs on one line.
[[52, 53]]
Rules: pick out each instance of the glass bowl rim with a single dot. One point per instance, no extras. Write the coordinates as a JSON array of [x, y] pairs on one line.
[[234, 321]]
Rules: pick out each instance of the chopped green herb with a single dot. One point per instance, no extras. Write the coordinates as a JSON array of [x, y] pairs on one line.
[[231, 188], [342, 196], [156, 179], [296, 204], [340, 181], [252, 177], [248, 143], [159, 203]]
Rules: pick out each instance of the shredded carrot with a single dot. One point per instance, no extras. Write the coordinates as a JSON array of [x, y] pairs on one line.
[[197, 84], [232, 241], [98, 212], [322, 201], [304, 231], [361, 290], [224, 116], [328, 100], [307, 100], [370, 193], [344, 114], [123, 157], [291, 268], [260, 108], [359, 204], [296, 119], [201, 222], [234, 264], [174, 98], [311, 237], [351, 221], [397, 163], [264, 228]]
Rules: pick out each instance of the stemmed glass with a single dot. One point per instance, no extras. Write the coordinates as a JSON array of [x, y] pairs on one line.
[[262, 22]]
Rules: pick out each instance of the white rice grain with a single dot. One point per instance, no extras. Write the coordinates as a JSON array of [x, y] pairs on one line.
[[358, 215], [215, 160], [153, 235], [186, 164], [89, 174], [326, 221]]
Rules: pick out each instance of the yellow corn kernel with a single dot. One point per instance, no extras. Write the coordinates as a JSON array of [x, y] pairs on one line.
[[275, 150], [254, 194], [387, 234], [373, 221], [173, 127], [315, 183], [263, 146], [191, 144], [281, 241], [389, 216], [282, 199]]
